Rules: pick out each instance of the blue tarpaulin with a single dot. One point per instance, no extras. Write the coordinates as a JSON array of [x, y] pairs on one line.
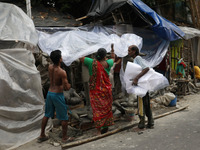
[[162, 26]]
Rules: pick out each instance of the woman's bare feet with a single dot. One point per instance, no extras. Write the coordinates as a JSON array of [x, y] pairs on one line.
[[98, 132], [69, 139]]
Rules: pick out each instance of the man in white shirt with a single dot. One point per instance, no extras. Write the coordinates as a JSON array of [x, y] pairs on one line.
[[144, 102]]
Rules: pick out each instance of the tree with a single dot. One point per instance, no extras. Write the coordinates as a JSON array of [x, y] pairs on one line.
[[195, 12]]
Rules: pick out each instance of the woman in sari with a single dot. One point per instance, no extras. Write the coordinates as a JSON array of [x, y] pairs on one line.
[[100, 88]]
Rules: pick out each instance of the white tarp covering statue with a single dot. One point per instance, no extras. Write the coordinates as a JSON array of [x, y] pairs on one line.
[[15, 25], [21, 100]]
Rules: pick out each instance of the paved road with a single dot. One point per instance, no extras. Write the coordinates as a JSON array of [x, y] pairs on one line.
[[178, 131]]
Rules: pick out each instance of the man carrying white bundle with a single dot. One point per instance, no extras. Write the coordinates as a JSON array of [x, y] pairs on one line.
[[144, 102]]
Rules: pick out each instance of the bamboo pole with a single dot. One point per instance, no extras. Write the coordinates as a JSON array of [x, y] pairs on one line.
[[28, 8], [192, 55], [84, 17], [170, 67], [171, 112], [76, 143]]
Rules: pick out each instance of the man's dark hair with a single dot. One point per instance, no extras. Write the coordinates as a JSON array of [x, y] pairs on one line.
[[135, 48], [101, 53], [55, 56]]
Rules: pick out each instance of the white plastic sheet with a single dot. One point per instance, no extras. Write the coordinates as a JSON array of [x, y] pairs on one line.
[[75, 44], [190, 32], [21, 100], [151, 81], [153, 46], [15, 25]]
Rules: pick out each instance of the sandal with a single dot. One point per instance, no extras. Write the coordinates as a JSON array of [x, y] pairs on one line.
[[42, 139]]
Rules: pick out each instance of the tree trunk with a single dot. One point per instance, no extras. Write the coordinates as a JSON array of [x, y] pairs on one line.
[[195, 13], [198, 12], [192, 13], [198, 6]]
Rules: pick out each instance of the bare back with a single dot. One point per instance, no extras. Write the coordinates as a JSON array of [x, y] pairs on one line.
[[58, 79]]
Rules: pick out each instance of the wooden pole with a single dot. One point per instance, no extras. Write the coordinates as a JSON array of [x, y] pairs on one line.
[[193, 60], [76, 143], [170, 65]]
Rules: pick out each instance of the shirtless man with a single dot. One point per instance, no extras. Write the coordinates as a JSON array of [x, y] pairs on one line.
[[55, 98]]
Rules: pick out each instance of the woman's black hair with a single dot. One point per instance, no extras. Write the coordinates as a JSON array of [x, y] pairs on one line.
[[55, 56], [101, 53]]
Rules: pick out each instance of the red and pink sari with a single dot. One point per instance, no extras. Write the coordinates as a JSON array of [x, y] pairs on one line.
[[101, 96]]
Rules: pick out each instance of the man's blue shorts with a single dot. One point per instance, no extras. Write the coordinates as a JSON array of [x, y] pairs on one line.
[[56, 101]]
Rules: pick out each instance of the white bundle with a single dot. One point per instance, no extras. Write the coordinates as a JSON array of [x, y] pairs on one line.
[[151, 81]]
